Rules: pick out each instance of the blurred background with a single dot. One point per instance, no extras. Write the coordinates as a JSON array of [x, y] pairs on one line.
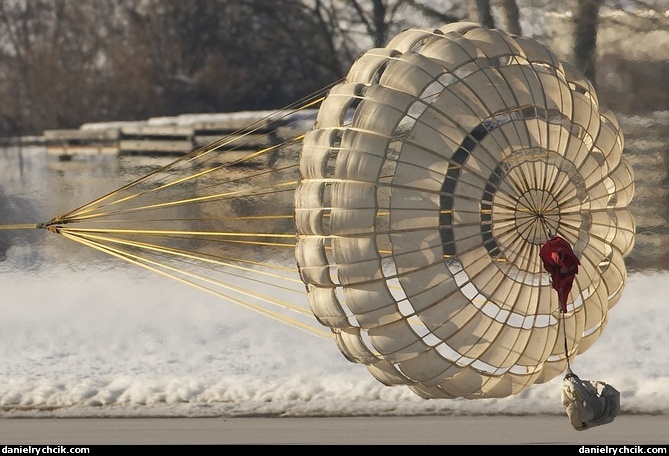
[[81, 331], [65, 63]]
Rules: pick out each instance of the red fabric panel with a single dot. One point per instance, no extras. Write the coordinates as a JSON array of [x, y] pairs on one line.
[[561, 262]]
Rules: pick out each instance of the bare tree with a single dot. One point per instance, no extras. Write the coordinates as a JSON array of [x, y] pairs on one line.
[[511, 17], [431, 12], [376, 24], [481, 12], [586, 18], [64, 63], [376, 19], [50, 61], [287, 40]]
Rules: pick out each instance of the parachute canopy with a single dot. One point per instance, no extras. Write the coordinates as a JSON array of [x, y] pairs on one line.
[[409, 221], [432, 178]]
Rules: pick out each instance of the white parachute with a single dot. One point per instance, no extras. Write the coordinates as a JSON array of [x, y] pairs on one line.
[[409, 220], [434, 174]]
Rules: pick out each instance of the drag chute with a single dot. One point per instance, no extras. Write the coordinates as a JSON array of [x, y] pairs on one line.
[[435, 173], [409, 220]]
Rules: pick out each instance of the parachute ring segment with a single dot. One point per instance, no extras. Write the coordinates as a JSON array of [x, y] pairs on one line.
[[432, 177]]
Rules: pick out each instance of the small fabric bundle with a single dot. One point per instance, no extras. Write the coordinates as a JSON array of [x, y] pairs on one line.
[[589, 403]]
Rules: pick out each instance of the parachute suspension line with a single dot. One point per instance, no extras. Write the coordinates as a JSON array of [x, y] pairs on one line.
[[209, 219], [94, 240], [306, 102], [21, 226], [174, 202], [185, 254], [175, 274], [566, 345], [90, 208]]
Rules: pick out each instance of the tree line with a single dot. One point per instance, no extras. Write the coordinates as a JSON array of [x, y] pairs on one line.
[[67, 62]]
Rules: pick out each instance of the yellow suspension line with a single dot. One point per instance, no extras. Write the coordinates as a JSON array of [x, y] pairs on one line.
[[227, 195], [197, 153], [214, 282], [258, 309], [19, 226], [177, 219], [186, 178], [166, 233], [82, 235], [196, 256]]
